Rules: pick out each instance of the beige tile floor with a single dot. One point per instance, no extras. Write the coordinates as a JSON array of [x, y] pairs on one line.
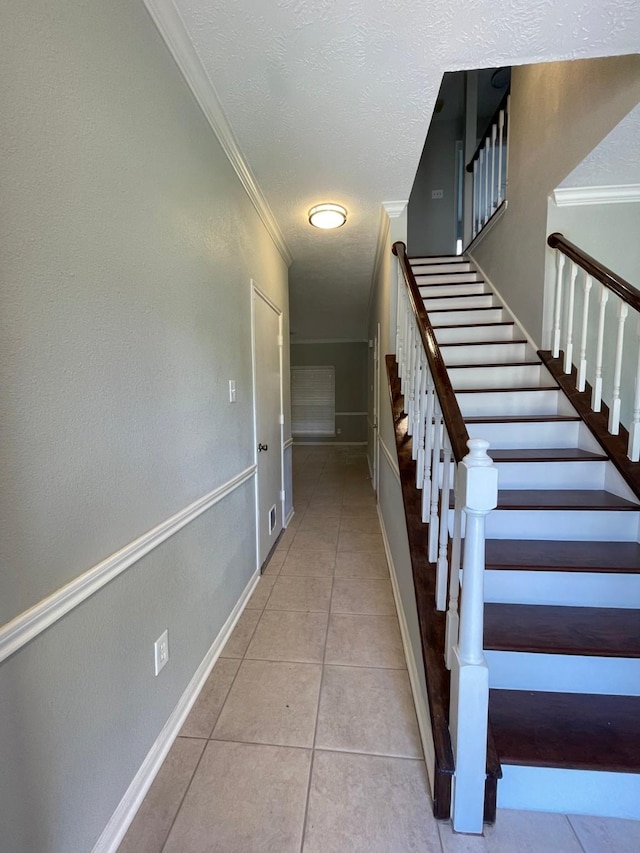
[[304, 737]]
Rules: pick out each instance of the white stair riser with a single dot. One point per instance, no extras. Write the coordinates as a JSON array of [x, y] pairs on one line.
[[447, 278], [431, 288], [490, 353], [445, 318], [481, 300], [471, 334], [507, 376], [550, 789], [527, 435], [568, 525], [524, 403], [551, 475], [563, 673], [439, 259], [567, 589], [459, 266]]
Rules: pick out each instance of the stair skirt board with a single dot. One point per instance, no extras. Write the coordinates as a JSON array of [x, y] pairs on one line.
[[568, 589], [563, 673], [551, 789]]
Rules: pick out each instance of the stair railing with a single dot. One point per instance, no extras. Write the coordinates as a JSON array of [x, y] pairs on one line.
[[489, 166], [447, 461], [595, 359]]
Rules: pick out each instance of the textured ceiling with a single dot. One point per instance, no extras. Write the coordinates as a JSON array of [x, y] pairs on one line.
[[615, 161], [330, 100]]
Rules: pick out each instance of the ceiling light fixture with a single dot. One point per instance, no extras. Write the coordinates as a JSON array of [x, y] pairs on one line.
[[327, 216]]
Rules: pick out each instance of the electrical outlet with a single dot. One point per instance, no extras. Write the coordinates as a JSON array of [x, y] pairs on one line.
[[338, 431], [437, 194], [161, 651]]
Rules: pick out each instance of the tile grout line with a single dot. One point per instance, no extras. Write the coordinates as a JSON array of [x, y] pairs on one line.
[[315, 728], [573, 830], [182, 799]]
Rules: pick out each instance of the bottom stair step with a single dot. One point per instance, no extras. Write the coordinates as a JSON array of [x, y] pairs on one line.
[[566, 730]]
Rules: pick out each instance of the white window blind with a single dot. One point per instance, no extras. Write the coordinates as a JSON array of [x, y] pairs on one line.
[[313, 400]]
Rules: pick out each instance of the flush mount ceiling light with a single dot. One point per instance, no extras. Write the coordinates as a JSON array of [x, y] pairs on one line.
[[327, 216]]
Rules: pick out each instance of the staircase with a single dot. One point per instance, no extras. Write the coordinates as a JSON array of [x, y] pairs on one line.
[[562, 578]]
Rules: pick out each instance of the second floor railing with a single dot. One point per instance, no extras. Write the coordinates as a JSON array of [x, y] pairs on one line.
[[449, 463], [489, 166], [594, 341]]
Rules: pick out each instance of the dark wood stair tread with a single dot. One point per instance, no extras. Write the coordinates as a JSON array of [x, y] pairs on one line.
[[499, 342], [506, 390], [521, 419], [545, 629], [562, 556], [475, 326], [482, 364], [563, 499], [545, 454], [566, 730]]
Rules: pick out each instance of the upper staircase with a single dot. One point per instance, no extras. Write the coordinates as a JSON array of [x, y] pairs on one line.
[[562, 563]]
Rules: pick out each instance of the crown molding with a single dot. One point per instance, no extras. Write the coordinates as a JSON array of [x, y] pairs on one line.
[[623, 193], [394, 208], [172, 29]]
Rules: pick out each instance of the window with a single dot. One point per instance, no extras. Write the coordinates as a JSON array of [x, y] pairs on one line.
[[313, 406]]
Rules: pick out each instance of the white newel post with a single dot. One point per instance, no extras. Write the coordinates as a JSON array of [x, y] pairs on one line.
[[477, 491]]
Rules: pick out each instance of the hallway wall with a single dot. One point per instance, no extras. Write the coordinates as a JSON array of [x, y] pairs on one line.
[[128, 244], [349, 359], [559, 112]]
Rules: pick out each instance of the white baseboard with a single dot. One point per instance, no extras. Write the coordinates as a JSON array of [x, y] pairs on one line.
[[422, 711], [120, 821]]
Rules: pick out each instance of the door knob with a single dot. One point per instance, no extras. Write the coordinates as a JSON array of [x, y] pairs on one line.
[[262, 447]]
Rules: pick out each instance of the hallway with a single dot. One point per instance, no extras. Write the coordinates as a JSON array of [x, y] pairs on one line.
[[305, 735]]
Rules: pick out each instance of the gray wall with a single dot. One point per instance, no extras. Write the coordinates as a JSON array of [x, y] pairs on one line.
[[559, 113], [350, 362], [127, 250], [432, 222]]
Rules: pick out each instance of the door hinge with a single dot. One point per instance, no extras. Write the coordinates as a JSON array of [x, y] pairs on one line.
[[282, 495], [280, 341], [281, 420]]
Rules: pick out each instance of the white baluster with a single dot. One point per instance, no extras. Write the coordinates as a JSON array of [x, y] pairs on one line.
[[568, 349], [494, 195], [487, 200], [443, 557], [508, 129], [614, 411], [596, 396], [500, 144], [409, 392], [558, 306], [475, 199], [435, 484], [453, 619], [428, 445], [634, 431], [422, 405], [480, 189], [478, 488], [417, 384], [582, 365]]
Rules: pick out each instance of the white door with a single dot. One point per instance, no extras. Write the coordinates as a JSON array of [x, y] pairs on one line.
[[267, 390]]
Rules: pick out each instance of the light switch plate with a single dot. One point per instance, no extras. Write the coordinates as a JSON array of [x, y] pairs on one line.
[[161, 651]]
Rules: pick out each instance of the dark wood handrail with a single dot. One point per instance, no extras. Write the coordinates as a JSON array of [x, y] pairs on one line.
[[627, 292], [456, 429], [494, 118]]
